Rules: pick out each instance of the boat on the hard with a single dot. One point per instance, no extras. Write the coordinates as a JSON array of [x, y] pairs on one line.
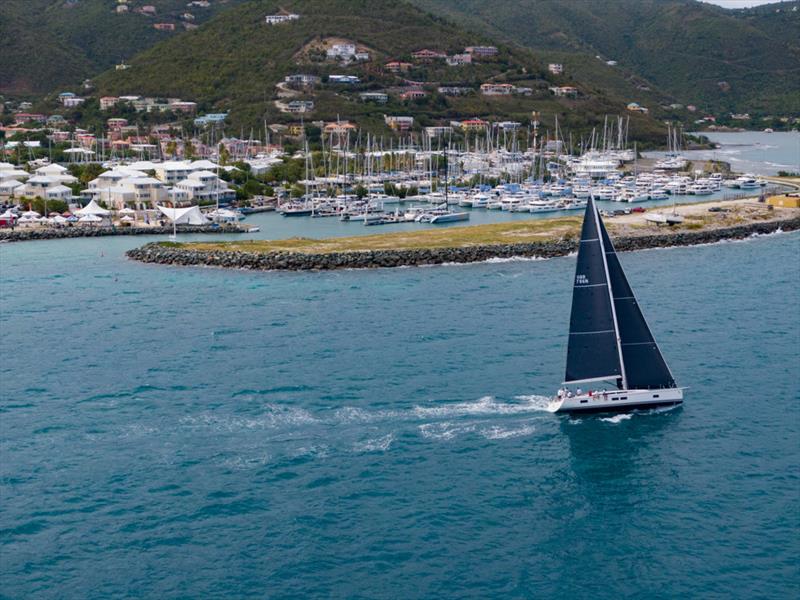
[[611, 348]]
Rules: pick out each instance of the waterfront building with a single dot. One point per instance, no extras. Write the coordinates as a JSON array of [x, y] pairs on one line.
[[202, 186]]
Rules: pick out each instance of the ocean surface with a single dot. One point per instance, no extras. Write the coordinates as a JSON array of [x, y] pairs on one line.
[[201, 433], [753, 152]]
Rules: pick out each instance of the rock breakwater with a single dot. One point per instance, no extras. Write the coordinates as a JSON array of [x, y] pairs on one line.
[[298, 261], [55, 233]]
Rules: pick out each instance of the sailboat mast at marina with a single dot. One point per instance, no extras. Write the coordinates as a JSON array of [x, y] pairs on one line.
[[609, 339]]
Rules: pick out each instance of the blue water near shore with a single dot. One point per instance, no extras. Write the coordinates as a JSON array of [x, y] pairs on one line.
[[756, 152], [199, 433]]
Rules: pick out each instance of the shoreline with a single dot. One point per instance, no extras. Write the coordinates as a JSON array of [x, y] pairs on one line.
[[176, 255], [52, 233]]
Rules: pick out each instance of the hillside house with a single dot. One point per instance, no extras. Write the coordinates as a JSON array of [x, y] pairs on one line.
[[458, 60], [636, 107], [413, 94], [399, 123], [164, 26], [438, 130], [73, 102], [339, 128], [497, 89], [182, 106], [107, 102], [450, 90], [379, 97], [210, 118], [346, 52], [470, 124], [556, 68], [298, 106], [117, 123], [301, 80], [481, 51], [426, 55], [344, 79], [23, 117], [564, 91], [281, 18], [396, 66]]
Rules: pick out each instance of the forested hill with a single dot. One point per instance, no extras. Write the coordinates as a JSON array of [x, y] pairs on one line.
[[719, 59], [45, 44], [235, 63]]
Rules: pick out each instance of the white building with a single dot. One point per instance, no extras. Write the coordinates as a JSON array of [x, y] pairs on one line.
[[134, 192], [202, 186], [278, 19], [555, 68]]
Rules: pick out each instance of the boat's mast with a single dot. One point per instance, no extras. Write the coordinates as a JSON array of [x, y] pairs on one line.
[[610, 297]]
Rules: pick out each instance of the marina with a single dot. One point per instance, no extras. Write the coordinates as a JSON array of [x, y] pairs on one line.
[[431, 299]]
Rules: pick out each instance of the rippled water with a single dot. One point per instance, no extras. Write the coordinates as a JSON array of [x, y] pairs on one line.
[[750, 151], [206, 433]]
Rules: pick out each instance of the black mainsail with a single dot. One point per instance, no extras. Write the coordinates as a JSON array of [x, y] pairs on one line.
[[608, 335]]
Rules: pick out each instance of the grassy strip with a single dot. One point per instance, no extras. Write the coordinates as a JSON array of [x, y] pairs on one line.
[[516, 232]]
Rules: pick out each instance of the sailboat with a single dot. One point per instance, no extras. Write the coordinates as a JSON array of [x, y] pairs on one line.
[[609, 339]]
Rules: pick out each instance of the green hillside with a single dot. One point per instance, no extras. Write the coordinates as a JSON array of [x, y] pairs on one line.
[[683, 48], [46, 44], [234, 62]]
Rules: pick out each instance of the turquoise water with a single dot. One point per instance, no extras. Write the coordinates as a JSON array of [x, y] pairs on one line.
[[198, 433], [751, 151]]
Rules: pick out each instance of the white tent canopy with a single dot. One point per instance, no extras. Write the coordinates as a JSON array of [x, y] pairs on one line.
[[184, 216], [93, 208], [90, 218]]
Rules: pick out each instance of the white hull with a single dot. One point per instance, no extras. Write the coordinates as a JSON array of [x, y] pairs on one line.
[[619, 400]]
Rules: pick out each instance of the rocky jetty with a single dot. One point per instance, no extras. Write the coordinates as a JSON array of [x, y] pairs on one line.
[[171, 254], [55, 233]]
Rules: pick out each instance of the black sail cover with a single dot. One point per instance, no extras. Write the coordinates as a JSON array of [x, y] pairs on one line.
[[645, 367], [592, 352]]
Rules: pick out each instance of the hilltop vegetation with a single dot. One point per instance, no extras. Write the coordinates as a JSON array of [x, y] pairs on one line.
[[720, 60], [46, 44], [235, 61]]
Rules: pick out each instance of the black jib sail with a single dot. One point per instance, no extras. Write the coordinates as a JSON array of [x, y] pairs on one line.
[[592, 353], [643, 363]]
